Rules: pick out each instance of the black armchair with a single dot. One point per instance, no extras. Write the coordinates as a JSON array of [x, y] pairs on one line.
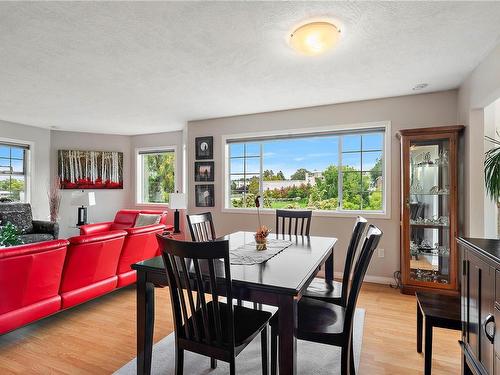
[[20, 215]]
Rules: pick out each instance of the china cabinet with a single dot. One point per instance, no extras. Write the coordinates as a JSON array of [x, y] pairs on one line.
[[429, 209]]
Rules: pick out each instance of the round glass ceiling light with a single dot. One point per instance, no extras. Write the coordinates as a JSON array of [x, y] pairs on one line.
[[315, 38]]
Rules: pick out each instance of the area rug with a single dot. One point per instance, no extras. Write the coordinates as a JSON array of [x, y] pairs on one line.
[[312, 358]]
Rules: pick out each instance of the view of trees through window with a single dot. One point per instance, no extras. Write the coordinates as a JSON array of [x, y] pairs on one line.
[[158, 178], [12, 172], [316, 172]]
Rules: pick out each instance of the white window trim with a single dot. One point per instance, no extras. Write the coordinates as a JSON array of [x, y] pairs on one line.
[[30, 175], [139, 174], [386, 172]]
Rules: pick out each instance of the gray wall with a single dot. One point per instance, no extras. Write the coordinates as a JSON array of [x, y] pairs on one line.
[[40, 156], [107, 201], [480, 89], [426, 110]]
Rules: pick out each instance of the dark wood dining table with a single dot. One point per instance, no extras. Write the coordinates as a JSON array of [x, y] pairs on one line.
[[280, 281]]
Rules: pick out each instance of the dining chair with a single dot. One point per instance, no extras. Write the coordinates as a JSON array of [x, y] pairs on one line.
[[293, 217], [335, 291], [327, 323], [214, 329], [201, 227]]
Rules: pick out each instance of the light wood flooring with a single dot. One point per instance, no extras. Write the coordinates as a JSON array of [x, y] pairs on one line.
[[98, 337]]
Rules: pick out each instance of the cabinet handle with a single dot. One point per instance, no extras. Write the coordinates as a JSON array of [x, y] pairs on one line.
[[489, 319]]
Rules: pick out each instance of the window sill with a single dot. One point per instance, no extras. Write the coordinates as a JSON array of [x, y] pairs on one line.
[[318, 213]]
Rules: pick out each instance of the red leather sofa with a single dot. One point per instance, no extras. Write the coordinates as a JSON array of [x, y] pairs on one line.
[[140, 242], [30, 276], [90, 266], [40, 279]]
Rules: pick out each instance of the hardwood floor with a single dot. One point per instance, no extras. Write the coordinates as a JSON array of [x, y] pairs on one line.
[[98, 337]]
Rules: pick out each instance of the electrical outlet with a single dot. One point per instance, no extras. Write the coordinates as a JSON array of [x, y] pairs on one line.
[[381, 253]]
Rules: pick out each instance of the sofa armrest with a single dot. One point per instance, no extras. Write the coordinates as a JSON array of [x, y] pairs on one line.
[[98, 237], [47, 227], [146, 229], [95, 228]]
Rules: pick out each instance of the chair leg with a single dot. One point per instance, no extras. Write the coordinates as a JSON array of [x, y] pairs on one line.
[[232, 367], [344, 361], [351, 360], [265, 353], [274, 350], [213, 363], [179, 361]]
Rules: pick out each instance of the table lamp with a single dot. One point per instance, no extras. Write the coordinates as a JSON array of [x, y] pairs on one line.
[[82, 200], [177, 201]]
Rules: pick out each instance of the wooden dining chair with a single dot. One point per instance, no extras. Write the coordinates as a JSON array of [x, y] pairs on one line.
[[287, 222], [327, 323], [334, 291], [214, 329], [201, 227]]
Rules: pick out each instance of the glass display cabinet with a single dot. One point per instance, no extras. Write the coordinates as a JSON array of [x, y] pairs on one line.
[[429, 209]]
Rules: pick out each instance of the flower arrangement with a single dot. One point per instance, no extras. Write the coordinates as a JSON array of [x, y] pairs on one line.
[[262, 231], [54, 195]]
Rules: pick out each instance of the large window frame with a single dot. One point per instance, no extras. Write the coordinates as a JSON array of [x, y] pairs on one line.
[[27, 163], [384, 126], [139, 173]]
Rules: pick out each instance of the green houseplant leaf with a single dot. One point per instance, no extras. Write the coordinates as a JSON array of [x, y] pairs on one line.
[[9, 235]]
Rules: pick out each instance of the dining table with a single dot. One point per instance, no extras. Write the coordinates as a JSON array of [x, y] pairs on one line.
[[280, 281]]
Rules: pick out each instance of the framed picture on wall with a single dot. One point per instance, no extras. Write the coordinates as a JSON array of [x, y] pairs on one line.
[[204, 148], [204, 195], [203, 171]]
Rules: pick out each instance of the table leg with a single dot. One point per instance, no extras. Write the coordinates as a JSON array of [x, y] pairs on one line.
[[145, 323], [329, 268], [287, 326], [428, 348], [419, 329]]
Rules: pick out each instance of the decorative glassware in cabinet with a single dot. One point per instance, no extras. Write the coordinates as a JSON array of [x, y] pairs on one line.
[[429, 209]]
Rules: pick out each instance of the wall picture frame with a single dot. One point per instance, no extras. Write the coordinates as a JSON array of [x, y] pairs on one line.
[[204, 171], [204, 148], [204, 195]]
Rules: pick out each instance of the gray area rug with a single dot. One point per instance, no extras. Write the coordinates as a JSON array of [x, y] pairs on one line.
[[312, 358]]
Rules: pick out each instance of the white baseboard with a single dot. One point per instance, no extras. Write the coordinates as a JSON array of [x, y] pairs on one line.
[[371, 279]]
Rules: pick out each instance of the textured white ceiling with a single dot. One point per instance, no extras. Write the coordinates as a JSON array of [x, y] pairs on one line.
[[139, 67]]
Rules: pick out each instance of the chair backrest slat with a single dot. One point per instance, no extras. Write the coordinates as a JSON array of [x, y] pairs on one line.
[[359, 228], [370, 243], [293, 217], [201, 227], [187, 274]]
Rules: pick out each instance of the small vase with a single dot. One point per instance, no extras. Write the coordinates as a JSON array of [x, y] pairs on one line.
[[260, 242]]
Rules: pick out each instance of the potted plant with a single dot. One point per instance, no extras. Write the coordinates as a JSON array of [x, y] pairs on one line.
[[9, 235], [262, 231]]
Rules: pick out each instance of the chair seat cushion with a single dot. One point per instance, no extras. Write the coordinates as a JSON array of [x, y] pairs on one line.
[[327, 291], [35, 237], [247, 322]]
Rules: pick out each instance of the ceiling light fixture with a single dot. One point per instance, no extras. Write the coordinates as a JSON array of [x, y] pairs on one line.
[[314, 38], [420, 86]]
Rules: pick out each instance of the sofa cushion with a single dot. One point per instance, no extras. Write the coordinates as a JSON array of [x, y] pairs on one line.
[[21, 219], [35, 237], [146, 219]]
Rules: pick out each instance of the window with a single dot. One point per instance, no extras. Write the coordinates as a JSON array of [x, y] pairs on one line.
[[330, 172], [13, 171], [155, 175]]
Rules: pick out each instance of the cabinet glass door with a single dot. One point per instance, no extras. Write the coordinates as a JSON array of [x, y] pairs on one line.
[[429, 211]]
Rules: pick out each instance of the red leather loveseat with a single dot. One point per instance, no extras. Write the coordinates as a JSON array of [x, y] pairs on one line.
[[30, 276], [40, 279], [140, 242]]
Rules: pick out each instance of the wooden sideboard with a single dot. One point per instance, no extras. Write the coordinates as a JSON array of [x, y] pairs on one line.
[[480, 305]]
